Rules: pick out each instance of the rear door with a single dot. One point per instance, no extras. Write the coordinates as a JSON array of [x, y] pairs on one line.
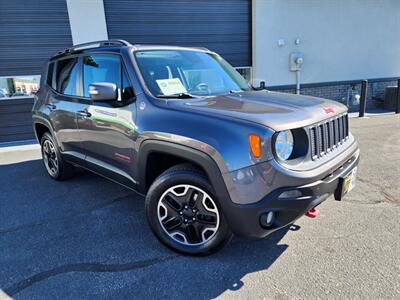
[[63, 104], [108, 132]]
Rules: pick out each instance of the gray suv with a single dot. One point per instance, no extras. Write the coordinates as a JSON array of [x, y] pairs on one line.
[[213, 155]]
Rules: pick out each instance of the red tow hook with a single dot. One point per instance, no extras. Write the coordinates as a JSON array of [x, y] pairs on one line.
[[312, 213]]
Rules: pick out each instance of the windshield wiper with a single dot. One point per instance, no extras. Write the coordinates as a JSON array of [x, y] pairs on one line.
[[178, 96]]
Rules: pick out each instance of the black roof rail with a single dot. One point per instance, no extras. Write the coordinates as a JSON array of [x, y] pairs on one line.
[[167, 45], [90, 45]]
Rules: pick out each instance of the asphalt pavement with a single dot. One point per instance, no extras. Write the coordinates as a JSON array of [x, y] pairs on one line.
[[87, 238]]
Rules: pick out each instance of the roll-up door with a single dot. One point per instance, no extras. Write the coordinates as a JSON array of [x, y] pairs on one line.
[[31, 31], [223, 26]]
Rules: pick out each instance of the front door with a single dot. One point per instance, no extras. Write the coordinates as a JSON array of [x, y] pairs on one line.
[[107, 130]]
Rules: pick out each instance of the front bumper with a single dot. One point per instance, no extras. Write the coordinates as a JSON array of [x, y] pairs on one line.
[[244, 219]]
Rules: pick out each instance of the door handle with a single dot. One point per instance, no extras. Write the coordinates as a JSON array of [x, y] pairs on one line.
[[51, 106], [84, 113]]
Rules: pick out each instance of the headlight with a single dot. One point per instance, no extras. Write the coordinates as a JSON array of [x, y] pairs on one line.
[[284, 144]]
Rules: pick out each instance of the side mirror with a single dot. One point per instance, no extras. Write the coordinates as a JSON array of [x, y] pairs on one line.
[[260, 87], [103, 91]]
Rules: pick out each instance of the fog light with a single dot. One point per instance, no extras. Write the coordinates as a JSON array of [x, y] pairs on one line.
[[290, 194], [267, 219]]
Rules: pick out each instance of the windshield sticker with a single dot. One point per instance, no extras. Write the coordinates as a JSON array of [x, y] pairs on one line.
[[171, 86]]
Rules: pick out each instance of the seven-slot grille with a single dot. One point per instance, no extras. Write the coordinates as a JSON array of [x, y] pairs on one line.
[[328, 135]]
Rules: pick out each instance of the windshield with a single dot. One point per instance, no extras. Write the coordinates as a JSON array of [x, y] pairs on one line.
[[180, 72]]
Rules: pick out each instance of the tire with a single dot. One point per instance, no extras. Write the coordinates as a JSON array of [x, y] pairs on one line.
[[184, 214], [55, 165]]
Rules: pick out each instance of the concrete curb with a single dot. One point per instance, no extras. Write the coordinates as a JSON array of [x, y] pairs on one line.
[[21, 153], [18, 143], [19, 148], [355, 114]]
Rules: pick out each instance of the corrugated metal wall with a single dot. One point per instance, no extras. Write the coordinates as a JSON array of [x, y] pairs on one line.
[[30, 32], [223, 26], [16, 120]]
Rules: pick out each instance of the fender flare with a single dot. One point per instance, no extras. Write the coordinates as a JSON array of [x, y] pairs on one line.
[[190, 154], [44, 122]]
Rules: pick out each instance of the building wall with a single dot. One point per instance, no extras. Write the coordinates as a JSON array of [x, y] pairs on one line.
[[30, 32], [87, 20], [340, 40], [221, 26]]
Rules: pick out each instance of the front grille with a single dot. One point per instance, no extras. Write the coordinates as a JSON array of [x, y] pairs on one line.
[[326, 136]]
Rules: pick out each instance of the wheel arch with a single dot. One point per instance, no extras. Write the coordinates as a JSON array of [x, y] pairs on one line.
[[188, 154], [41, 126]]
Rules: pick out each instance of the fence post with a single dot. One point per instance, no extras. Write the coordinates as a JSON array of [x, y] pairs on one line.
[[398, 97], [363, 98]]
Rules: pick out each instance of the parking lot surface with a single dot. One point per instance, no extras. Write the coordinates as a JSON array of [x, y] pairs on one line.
[[88, 238]]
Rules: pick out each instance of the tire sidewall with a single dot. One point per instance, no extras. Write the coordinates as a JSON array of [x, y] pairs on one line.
[[166, 181], [48, 136]]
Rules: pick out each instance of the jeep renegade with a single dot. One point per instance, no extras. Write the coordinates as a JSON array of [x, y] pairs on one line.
[[213, 155]]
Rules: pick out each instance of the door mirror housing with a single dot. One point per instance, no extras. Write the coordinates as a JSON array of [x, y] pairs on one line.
[[103, 91], [260, 87]]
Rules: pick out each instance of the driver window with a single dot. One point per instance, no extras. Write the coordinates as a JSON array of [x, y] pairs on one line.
[[106, 68], [101, 68]]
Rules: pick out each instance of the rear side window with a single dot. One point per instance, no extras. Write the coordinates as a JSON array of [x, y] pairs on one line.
[[101, 68], [66, 76], [50, 73]]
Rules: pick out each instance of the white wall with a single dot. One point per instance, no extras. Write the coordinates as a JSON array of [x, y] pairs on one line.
[[339, 39], [87, 20]]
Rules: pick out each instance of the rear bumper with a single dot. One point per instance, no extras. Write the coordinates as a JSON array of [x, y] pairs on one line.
[[244, 219]]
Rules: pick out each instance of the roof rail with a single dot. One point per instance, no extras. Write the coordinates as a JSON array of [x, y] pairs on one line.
[[90, 45], [202, 48]]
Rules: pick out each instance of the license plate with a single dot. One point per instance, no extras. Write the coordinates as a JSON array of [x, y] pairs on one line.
[[346, 184], [350, 181]]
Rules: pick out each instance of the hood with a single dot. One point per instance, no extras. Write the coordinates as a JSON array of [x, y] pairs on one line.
[[278, 111]]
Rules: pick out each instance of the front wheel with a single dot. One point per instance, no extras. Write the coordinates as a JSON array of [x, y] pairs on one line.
[[184, 213]]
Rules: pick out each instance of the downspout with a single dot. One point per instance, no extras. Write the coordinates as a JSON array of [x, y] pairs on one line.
[[298, 82]]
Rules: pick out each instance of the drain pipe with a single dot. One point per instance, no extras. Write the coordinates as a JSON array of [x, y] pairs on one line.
[[296, 60], [298, 82]]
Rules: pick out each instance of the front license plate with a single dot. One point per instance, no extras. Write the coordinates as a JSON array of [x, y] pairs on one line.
[[346, 184], [350, 181]]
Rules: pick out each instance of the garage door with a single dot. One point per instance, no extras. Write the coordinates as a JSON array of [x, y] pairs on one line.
[[30, 32], [223, 26]]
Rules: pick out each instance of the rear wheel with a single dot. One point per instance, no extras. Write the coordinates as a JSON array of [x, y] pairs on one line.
[[184, 213], [55, 165]]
